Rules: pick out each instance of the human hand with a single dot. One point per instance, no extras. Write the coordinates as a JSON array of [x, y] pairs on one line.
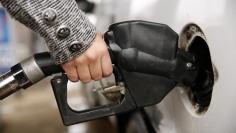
[[93, 64]]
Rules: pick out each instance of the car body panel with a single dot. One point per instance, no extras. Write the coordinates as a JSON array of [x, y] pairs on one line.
[[217, 20]]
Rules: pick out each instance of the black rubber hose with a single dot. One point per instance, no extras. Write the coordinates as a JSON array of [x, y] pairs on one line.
[[47, 64]]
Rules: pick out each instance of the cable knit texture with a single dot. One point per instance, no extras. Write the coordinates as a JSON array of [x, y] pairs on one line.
[[30, 13]]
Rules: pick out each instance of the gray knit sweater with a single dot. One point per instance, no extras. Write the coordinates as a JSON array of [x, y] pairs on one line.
[[61, 23]]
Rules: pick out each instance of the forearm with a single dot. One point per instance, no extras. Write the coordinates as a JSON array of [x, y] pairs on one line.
[[49, 18]]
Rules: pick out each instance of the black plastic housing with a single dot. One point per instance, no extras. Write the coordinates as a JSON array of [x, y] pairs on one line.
[[146, 59]]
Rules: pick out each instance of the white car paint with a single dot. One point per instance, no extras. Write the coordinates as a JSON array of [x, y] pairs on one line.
[[217, 20]]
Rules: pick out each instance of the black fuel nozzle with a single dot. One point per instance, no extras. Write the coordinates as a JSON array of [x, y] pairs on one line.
[[147, 66], [147, 63]]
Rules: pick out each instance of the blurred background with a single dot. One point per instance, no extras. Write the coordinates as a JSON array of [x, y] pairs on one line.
[[35, 111]]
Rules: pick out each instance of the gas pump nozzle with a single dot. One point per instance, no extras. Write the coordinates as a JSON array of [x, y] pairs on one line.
[[147, 63]]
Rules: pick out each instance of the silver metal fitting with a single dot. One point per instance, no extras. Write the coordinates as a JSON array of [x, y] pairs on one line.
[[32, 70], [113, 93], [189, 65]]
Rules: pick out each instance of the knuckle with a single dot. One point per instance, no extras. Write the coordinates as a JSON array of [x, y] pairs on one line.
[[92, 57], [108, 72], [103, 50], [85, 79], [73, 78], [67, 65], [97, 76], [80, 60]]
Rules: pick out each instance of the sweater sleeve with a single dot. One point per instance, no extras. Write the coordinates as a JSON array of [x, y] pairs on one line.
[[65, 28]]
